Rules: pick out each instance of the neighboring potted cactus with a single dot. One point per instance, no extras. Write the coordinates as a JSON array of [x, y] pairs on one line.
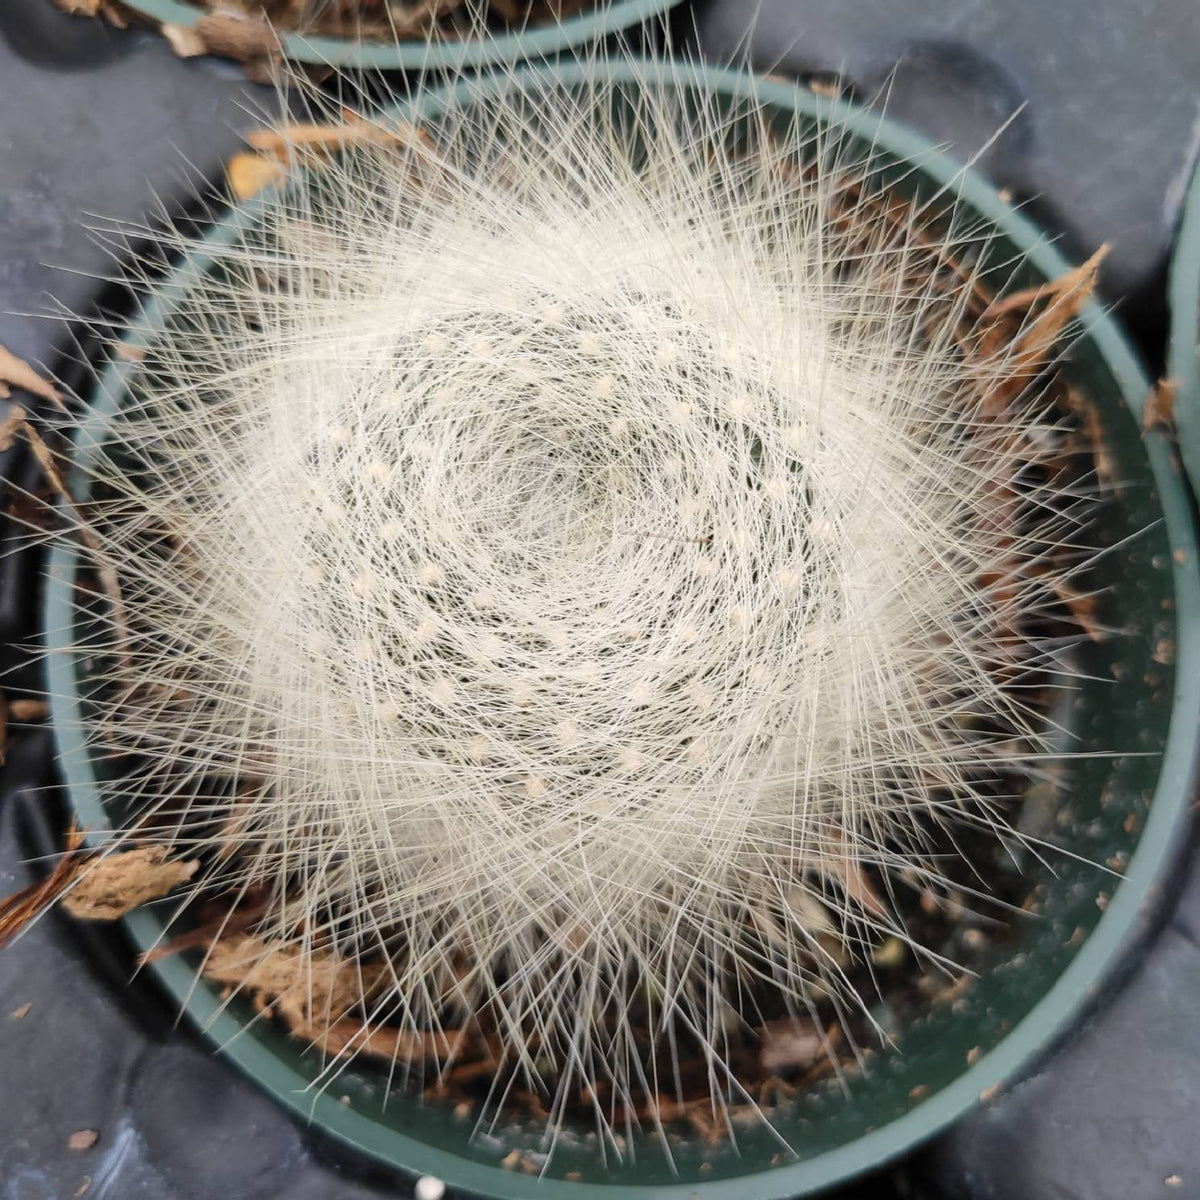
[[425, 36]]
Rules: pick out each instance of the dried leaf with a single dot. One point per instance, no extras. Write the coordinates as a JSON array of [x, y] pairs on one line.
[[17, 910], [249, 173], [419, 20], [1060, 301], [1080, 279], [226, 924], [288, 141], [20, 374], [82, 1139], [1159, 411], [282, 974], [394, 1044], [12, 424], [186, 42], [116, 14], [117, 883], [1020, 331], [1106, 467], [313, 993], [237, 35]]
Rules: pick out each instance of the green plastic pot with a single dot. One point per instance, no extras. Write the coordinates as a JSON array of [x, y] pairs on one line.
[[1140, 699], [533, 44], [1183, 363]]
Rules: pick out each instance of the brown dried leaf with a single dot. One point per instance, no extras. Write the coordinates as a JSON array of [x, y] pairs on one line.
[[20, 374], [1159, 412], [17, 910], [116, 14], [11, 425], [186, 42], [118, 883], [395, 1044], [224, 925], [419, 20], [288, 977], [1079, 279], [1060, 302], [1106, 467], [289, 141], [249, 173], [237, 35], [313, 993]]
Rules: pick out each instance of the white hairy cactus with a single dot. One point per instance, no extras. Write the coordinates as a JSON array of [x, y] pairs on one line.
[[575, 559]]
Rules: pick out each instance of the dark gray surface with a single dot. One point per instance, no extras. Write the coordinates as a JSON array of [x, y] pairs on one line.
[[1102, 100], [97, 121], [92, 120]]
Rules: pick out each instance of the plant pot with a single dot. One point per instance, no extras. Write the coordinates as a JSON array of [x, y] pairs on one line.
[[536, 43], [1183, 358], [1130, 802]]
